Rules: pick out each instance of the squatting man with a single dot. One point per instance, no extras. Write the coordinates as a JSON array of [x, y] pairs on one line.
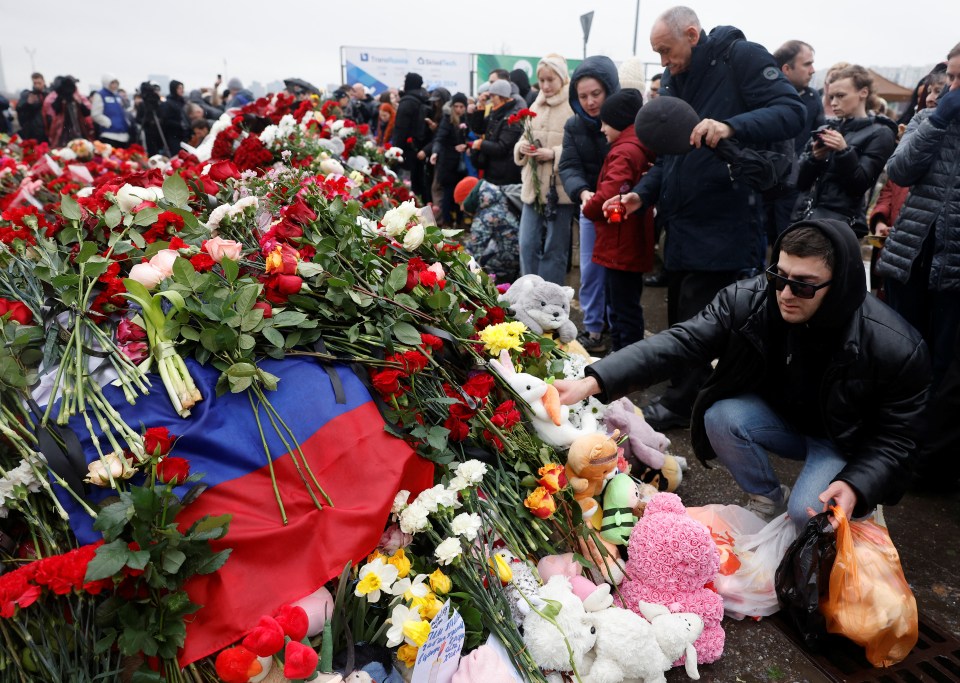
[[810, 367]]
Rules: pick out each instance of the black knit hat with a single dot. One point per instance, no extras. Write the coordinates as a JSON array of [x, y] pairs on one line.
[[459, 97], [412, 81], [665, 124], [620, 109]]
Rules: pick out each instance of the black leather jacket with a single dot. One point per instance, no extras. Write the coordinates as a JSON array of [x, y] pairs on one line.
[[873, 394]]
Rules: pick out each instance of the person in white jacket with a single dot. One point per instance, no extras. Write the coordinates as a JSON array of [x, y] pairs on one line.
[[108, 112]]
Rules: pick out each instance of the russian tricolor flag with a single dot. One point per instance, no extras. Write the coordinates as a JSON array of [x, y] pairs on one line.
[[359, 465]]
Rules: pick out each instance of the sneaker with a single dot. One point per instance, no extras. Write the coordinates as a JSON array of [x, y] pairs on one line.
[[594, 345], [765, 508]]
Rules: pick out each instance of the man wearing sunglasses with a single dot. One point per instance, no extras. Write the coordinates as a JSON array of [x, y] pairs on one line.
[[810, 367]]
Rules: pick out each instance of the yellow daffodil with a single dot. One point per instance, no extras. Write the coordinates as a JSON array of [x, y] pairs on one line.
[[440, 583], [408, 655], [400, 560], [501, 569], [428, 605], [416, 631]]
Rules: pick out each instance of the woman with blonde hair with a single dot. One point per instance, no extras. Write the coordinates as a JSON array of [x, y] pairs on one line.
[[844, 158], [545, 223]]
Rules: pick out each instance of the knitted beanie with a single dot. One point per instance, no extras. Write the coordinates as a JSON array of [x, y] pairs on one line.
[[464, 188], [412, 81], [664, 125], [620, 109], [631, 73], [556, 63]]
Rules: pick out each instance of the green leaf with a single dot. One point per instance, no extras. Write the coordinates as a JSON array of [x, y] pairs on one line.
[[406, 333], [246, 342], [272, 335], [133, 641], [269, 381], [109, 560], [137, 559], [552, 609], [437, 437], [172, 560], [112, 519], [246, 298], [217, 339], [87, 249], [242, 370], [307, 269], [147, 216], [230, 269], [174, 298], [183, 272], [209, 528], [288, 318], [104, 643], [213, 563], [239, 384], [175, 190], [69, 208], [137, 239], [398, 278], [251, 319], [189, 333], [146, 676], [112, 216]]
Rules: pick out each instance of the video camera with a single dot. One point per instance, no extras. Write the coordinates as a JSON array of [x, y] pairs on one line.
[[150, 93]]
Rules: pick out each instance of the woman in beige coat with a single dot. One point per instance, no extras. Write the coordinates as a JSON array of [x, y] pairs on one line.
[[545, 225]]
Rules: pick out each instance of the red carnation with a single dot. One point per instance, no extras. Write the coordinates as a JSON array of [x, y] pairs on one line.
[[157, 441], [431, 340], [299, 661], [202, 262], [266, 639], [428, 278], [173, 470], [237, 665], [461, 411], [293, 620]]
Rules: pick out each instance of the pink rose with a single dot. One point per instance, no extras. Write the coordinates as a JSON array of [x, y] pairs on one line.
[[137, 351], [393, 539], [163, 261], [128, 331], [146, 274], [438, 269], [219, 249]]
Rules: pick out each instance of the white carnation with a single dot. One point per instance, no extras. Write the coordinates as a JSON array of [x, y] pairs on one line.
[[467, 524], [448, 551], [217, 215], [472, 471], [269, 135], [239, 207], [413, 519], [400, 501]]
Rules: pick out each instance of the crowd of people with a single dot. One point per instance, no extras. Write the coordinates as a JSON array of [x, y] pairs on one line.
[[811, 366]]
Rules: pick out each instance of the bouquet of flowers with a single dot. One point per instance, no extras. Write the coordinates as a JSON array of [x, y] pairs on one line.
[[524, 117]]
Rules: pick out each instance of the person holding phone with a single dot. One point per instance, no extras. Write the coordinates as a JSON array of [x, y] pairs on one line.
[[811, 367]]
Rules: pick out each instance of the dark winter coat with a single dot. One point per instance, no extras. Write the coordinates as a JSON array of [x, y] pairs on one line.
[[627, 245], [874, 389], [813, 102], [584, 146], [445, 141], [410, 131], [495, 156], [176, 125], [927, 160], [715, 223], [839, 182], [30, 115]]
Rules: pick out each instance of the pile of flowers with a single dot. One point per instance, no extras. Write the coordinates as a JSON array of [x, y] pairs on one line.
[[285, 234]]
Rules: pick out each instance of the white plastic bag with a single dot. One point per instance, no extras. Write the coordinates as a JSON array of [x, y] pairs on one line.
[[750, 591]]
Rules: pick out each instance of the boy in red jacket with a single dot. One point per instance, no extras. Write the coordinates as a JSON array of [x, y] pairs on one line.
[[624, 245]]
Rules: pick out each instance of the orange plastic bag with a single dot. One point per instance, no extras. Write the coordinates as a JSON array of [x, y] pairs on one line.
[[869, 601]]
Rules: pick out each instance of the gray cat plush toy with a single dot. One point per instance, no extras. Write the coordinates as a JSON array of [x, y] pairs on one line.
[[542, 306]]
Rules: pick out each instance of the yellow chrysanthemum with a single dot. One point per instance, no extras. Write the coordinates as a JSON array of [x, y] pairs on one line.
[[503, 337], [408, 655], [400, 560], [417, 631]]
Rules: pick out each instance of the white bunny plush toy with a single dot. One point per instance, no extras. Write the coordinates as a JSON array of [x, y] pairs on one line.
[[550, 420]]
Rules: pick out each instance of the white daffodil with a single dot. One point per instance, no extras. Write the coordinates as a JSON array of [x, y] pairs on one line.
[[400, 616], [375, 577], [417, 588]]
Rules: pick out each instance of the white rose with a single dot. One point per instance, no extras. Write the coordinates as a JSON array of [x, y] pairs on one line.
[[414, 237], [331, 167], [467, 524], [448, 551], [146, 274], [163, 261], [368, 227]]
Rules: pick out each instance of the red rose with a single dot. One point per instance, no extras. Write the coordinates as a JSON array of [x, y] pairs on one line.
[[532, 349], [265, 307], [299, 661], [173, 470], [16, 310], [299, 212], [480, 385], [293, 620], [461, 411], [237, 665], [128, 331], [222, 170], [387, 382], [266, 639], [459, 430], [277, 289], [157, 441], [137, 351]]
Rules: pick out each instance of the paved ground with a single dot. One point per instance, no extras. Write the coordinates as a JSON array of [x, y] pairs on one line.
[[925, 529]]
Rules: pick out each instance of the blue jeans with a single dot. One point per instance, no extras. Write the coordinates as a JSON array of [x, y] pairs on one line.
[[743, 429], [592, 280], [545, 245]]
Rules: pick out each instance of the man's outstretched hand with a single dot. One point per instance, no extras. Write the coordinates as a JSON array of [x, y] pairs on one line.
[[843, 496], [630, 200], [575, 390]]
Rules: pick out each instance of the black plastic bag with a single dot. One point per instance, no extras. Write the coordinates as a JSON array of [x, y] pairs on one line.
[[803, 578]]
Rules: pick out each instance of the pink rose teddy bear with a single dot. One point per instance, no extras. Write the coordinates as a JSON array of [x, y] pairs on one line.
[[672, 559]]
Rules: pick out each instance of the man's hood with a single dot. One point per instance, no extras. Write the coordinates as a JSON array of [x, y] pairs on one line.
[[848, 286], [604, 70]]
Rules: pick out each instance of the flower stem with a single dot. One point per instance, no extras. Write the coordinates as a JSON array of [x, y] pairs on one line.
[[266, 449]]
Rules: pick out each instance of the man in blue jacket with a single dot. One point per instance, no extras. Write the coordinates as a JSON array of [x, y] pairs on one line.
[[714, 224]]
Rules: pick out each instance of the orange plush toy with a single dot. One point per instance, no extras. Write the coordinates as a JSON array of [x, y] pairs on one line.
[[591, 461]]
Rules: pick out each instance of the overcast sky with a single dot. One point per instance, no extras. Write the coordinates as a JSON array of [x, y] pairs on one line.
[[265, 41]]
